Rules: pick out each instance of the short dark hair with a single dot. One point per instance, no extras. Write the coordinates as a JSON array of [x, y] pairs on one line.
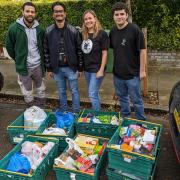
[[120, 6], [28, 4], [57, 3]]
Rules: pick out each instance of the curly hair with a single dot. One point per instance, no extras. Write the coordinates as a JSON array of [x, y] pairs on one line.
[[120, 6]]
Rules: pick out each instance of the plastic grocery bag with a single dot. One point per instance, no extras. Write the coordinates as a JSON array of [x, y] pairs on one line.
[[64, 120], [19, 163], [33, 118]]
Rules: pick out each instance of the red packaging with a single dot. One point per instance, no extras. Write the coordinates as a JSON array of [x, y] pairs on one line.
[[90, 170], [85, 164], [142, 131], [85, 120], [128, 139], [149, 147], [102, 149]]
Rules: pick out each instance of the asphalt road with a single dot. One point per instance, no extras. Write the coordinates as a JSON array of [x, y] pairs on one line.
[[167, 166]]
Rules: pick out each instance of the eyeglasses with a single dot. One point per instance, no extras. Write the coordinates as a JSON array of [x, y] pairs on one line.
[[58, 11]]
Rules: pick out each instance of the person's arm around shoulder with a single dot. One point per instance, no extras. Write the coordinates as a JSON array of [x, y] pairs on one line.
[[104, 46], [10, 42]]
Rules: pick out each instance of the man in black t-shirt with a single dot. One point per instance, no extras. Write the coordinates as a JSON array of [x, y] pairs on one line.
[[127, 42]]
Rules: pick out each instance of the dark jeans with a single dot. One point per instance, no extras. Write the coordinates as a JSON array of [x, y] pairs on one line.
[[64, 75], [126, 89]]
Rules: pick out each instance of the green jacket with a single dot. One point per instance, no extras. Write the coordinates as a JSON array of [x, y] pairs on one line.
[[17, 46]]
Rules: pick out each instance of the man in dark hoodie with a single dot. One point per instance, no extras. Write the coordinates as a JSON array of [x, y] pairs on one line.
[[24, 44], [63, 56]]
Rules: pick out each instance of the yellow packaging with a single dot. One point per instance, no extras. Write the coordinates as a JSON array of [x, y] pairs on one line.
[[87, 144]]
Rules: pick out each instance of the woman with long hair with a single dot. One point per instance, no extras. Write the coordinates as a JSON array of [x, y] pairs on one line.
[[94, 46]]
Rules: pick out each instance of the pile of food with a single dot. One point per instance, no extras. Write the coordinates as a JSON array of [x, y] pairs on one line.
[[83, 153], [105, 119], [29, 157], [137, 138], [62, 125]]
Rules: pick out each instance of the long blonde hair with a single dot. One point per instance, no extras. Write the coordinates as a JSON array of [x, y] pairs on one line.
[[97, 26]]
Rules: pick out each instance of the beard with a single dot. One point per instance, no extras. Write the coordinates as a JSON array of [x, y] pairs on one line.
[[29, 19], [59, 21], [59, 18]]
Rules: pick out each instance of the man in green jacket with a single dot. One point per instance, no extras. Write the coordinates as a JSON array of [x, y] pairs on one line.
[[24, 44]]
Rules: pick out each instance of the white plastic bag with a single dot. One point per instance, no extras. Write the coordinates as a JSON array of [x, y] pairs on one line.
[[33, 118]]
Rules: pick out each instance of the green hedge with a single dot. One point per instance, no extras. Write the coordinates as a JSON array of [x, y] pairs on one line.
[[160, 17]]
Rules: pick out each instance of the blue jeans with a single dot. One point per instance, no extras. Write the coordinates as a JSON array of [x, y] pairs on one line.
[[126, 89], [63, 75], [93, 89]]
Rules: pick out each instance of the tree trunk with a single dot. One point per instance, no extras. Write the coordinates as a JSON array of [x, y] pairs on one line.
[[1, 51], [128, 2]]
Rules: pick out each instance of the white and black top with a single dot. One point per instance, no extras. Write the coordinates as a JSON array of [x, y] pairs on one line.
[[126, 44], [92, 51]]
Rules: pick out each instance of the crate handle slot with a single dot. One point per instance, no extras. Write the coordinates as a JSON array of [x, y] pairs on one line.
[[73, 176]]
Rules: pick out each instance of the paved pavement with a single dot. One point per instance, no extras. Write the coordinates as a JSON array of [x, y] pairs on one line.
[[161, 79]]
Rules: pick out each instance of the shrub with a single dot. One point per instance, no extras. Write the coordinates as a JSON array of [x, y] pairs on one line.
[[161, 17]]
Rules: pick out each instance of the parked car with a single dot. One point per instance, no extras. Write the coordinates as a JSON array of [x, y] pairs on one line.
[[174, 118]]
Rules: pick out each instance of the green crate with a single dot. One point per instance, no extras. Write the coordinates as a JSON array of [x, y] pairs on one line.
[[41, 171], [16, 130], [95, 129], [68, 174], [129, 161], [113, 174], [62, 142]]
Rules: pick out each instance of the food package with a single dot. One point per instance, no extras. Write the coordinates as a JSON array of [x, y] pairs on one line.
[[73, 145], [47, 147], [55, 131], [74, 153], [84, 120], [129, 139], [123, 131], [87, 144], [115, 120], [126, 147], [65, 160], [96, 120], [83, 163], [94, 158], [33, 118], [149, 136]]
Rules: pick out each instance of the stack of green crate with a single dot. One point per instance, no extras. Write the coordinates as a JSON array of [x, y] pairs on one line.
[[61, 138], [104, 129], [43, 168], [132, 163], [16, 129], [69, 174]]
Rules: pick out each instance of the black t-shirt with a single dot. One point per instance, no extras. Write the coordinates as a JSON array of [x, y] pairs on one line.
[[92, 51], [62, 55], [126, 44]]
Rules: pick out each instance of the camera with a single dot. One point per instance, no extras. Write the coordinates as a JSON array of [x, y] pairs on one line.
[[62, 57]]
